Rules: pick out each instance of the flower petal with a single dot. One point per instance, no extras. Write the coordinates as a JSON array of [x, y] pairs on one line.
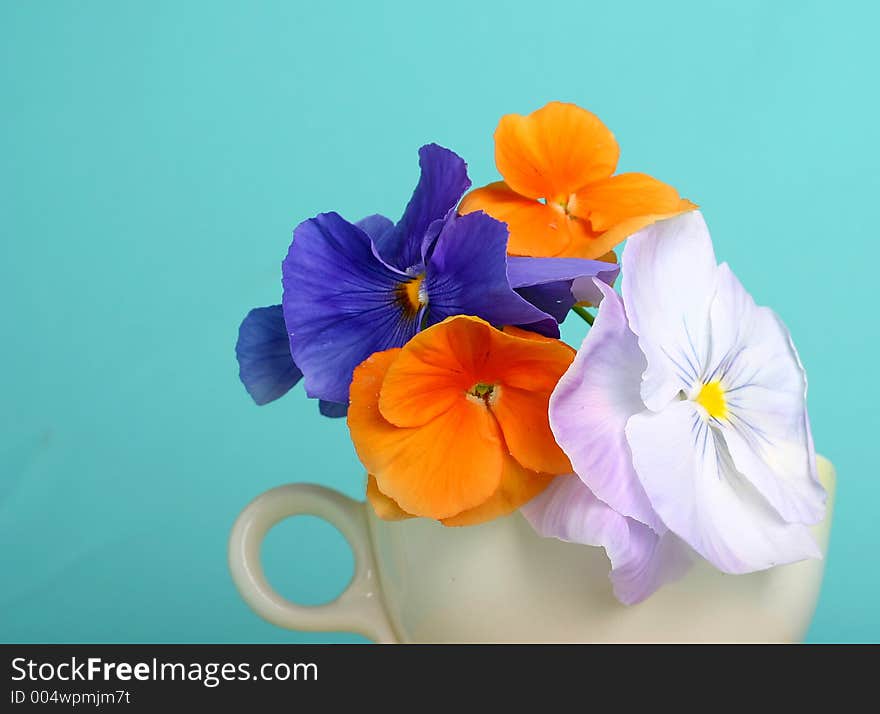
[[467, 275], [438, 470], [548, 283], [518, 486], [263, 350], [334, 410], [434, 372], [379, 229], [554, 151], [695, 488], [522, 415], [384, 507], [641, 560], [340, 304], [536, 229], [591, 405], [611, 201], [442, 182], [669, 275], [767, 429]]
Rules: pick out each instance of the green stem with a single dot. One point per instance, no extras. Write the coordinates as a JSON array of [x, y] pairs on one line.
[[583, 314]]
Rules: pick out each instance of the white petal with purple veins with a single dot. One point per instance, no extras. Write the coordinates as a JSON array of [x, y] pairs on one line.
[[669, 274], [692, 483]]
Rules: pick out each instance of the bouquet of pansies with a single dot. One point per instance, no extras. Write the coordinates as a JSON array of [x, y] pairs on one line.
[[677, 431]]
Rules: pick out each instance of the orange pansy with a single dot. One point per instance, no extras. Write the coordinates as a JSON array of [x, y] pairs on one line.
[[559, 197], [453, 426]]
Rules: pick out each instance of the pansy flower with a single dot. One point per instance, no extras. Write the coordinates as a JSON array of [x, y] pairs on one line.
[[354, 289], [684, 416], [454, 425], [559, 196]]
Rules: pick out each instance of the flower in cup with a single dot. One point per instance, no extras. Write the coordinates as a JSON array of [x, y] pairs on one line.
[[685, 420], [559, 196], [354, 289], [454, 425]]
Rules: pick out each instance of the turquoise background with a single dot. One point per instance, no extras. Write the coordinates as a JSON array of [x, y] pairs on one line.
[[154, 157]]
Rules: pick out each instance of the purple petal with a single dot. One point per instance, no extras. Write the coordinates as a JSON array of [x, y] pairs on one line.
[[442, 183], [555, 299], [263, 350], [641, 561], [380, 230], [340, 304], [555, 284], [333, 410], [525, 272], [590, 407], [467, 275]]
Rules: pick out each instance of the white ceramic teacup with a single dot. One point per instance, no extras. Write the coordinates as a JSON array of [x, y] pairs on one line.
[[417, 581]]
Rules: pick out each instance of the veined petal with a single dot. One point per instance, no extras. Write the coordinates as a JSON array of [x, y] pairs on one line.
[[590, 407], [536, 229], [693, 485], [669, 276], [341, 304], [460, 454], [641, 561], [263, 350], [441, 185], [518, 486], [764, 386], [611, 201], [554, 151], [467, 275]]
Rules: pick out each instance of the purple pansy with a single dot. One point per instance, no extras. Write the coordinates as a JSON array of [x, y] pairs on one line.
[[354, 289]]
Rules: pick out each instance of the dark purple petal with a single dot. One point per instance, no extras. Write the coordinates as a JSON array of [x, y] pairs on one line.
[[378, 228], [467, 275], [547, 279], [263, 350], [442, 183], [333, 410], [553, 298], [340, 304]]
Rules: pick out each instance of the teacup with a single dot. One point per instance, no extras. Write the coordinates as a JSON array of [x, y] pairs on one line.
[[418, 581]]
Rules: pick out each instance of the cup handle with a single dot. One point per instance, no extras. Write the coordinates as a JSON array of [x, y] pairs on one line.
[[360, 608]]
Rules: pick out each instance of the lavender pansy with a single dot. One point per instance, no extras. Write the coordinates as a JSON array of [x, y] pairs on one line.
[[684, 412]]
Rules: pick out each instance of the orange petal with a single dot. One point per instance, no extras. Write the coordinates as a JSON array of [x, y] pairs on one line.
[[518, 487], [618, 198], [449, 465], [385, 507], [554, 151], [523, 416], [619, 233], [536, 229], [527, 361], [435, 371]]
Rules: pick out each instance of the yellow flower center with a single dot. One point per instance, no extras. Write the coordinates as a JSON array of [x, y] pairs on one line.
[[711, 398], [411, 296]]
